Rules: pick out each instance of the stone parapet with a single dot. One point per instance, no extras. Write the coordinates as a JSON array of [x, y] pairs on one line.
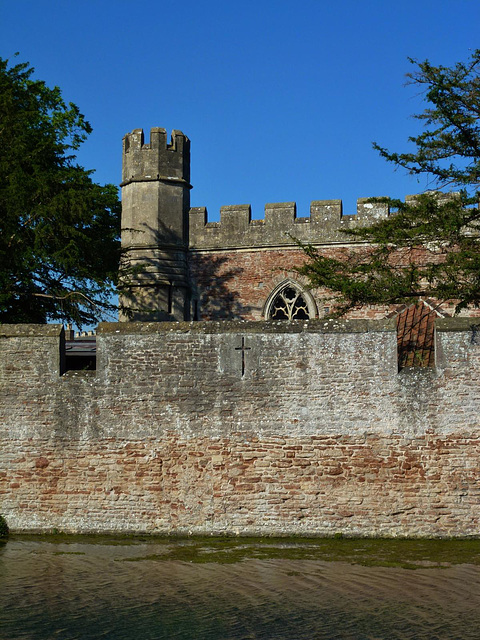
[[31, 330], [252, 327], [281, 226], [156, 160]]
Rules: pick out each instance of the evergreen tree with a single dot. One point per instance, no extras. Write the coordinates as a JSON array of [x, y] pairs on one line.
[[59, 231], [430, 246]]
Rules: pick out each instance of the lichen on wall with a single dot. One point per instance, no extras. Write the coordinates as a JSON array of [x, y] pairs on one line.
[[240, 427]]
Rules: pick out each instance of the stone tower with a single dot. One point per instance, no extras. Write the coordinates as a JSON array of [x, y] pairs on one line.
[[155, 208]]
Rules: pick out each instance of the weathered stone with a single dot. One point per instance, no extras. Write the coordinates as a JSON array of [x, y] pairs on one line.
[[344, 444], [155, 208]]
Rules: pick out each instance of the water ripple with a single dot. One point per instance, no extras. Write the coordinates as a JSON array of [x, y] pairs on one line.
[[78, 591]]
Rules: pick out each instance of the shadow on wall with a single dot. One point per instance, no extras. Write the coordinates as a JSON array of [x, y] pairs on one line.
[[159, 258], [213, 286]]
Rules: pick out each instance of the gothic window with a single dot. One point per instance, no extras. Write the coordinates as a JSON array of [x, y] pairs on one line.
[[289, 302]]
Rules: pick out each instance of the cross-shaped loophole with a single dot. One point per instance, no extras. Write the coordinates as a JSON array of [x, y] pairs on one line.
[[243, 348]]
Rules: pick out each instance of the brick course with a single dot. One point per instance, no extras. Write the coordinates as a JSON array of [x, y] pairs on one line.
[[321, 434], [237, 283]]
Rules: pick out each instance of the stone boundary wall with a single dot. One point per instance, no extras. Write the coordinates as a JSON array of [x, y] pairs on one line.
[[241, 428], [236, 228]]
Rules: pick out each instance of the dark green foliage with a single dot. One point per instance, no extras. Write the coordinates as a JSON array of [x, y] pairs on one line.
[[430, 246], [4, 530], [59, 231], [449, 148]]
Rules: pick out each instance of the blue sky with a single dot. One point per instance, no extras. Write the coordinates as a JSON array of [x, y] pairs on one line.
[[280, 99]]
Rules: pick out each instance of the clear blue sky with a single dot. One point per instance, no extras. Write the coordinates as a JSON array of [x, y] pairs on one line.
[[281, 99]]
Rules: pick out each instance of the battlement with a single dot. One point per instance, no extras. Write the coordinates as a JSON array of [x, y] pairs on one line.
[[236, 228], [156, 160]]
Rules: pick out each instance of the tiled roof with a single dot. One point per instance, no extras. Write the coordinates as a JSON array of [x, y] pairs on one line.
[[81, 346], [415, 335]]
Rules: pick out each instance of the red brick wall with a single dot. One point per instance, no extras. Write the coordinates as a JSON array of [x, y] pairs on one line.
[[318, 485], [237, 283]]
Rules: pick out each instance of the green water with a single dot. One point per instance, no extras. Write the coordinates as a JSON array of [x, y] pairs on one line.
[[76, 587]]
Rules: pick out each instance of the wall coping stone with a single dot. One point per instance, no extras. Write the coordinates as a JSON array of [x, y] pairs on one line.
[[235, 326], [30, 330], [456, 324], [238, 326]]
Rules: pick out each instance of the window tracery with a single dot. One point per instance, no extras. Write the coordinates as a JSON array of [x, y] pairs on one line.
[[289, 302]]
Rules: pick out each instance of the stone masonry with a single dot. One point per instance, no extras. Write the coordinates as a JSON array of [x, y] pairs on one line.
[[241, 428], [234, 422], [179, 266]]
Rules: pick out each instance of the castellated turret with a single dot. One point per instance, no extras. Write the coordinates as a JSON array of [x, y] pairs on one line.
[[155, 207]]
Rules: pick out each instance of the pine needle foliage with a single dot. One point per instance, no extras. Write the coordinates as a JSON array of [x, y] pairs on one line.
[[430, 246], [59, 231]]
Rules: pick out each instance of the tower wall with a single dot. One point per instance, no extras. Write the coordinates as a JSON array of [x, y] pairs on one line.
[[155, 209]]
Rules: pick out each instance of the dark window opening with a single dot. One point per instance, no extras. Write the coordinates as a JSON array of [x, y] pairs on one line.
[[81, 353], [170, 298]]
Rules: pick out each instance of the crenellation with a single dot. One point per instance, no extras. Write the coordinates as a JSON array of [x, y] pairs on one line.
[[302, 220], [280, 216], [156, 160], [281, 225], [325, 210], [133, 141], [235, 219], [369, 210], [179, 141], [158, 138]]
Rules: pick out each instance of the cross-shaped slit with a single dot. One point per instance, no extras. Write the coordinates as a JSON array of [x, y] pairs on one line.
[[243, 348]]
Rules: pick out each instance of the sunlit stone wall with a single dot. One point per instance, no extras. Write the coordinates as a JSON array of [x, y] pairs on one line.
[[244, 428]]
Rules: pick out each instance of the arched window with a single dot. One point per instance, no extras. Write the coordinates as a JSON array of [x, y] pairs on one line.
[[288, 301]]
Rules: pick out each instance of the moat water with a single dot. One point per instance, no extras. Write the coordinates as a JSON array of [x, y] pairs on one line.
[[82, 588]]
